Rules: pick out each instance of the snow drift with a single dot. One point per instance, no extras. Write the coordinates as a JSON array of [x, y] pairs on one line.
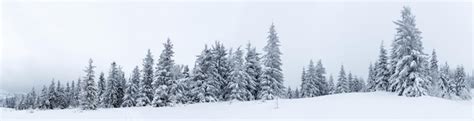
[[374, 105]]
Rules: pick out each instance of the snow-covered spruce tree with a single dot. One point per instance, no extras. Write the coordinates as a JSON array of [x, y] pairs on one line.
[[342, 85], [206, 88], [164, 78], [238, 81], [272, 76], [331, 86], [305, 86], [310, 87], [371, 79], [61, 96], [43, 98], [382, 73], [89, 94], [289, 93], [132, 91], [321, 82], [31, 99], [459, 85], [222, 68], [178, 89], [434, 75], [122, 82], [101, 88], [111, 95], [297, 93], [253, 69], [359, 84], [68, 96], [186, 83], [410, 77], [77, 96], [52, 96], [128, 99], [145, 88], [444, 81], [72, 93], [351, 82]]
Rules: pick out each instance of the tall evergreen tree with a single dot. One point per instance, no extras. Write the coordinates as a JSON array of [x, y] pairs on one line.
[[31, 99], [351, 82], [239, 79], [121, 85], [206, 88], [253, 69], [434, 75], [101, 87], [72, 94], [132, 90], [77, 96], [459, 85], [409, 78], [342, 85], [111, 95], [310, 87], [146, 88], [321, 79], [186, 83], [371, 79], [164, 78], [331, 85], [61, 96], [89, 94], [444, 81], [305, 85], [382, 73], [129, 98], [221, 68], [272, 77], [44, 98], [52, 96]]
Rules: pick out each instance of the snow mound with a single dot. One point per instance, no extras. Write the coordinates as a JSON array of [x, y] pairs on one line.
[[374, 105]]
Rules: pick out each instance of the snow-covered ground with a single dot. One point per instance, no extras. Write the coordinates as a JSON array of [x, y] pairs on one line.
[[375, 105]]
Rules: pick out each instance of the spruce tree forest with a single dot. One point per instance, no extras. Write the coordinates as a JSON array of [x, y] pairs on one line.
[[223, 74]]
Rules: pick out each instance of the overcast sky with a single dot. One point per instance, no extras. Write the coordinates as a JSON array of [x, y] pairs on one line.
[[42, 41]]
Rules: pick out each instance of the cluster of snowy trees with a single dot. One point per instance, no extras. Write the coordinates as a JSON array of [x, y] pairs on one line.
[[410, 72], [219, 74]]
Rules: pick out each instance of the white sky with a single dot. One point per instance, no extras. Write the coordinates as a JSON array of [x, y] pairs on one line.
[[41, 41]]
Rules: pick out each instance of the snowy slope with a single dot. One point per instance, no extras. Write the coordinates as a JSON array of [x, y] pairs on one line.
[[376, 105]]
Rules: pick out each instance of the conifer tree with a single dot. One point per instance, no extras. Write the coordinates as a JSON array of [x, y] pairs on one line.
[[331, 85], [371, 79], [146, 87], [206, 87], [459, 85], [382, 73], [111, 95], [434, 75], [239, 79], [221, 68], [272, 77], [342, 85], [164, 78], [410, 77], [89, 94], [253, 69], [101, 87]]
